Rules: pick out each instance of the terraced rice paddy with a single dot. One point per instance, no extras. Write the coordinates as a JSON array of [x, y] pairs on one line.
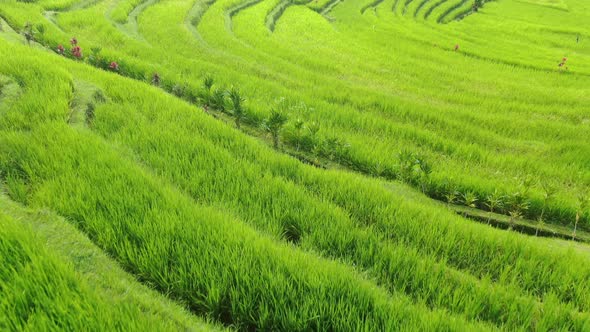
[[294, 165]]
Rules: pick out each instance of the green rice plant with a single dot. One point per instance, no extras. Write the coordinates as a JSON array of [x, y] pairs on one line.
[[17, 186], [249, 279], [40, 31], [42, 292], [234, 229], [292, 231], [583, 203]]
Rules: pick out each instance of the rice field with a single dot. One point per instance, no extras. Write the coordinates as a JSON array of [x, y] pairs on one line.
[[280, 165]]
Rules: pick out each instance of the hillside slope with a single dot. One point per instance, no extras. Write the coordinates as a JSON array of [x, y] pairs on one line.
[[167, 174], [53, 277]]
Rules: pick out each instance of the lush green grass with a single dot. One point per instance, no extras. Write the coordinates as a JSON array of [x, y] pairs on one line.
[[246, 236], [373, 106], [191, 252], [54, 278]]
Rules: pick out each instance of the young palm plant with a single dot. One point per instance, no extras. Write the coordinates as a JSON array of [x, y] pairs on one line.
[[218, 100], [298, 126], [494, 201], [425, 171], [451, 196], [206, 97], [518, 206], [273, 125], [208, 82], [237, 101], [470, 200]]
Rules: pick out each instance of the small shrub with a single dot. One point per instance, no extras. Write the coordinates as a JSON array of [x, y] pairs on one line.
[[406, 165], [494, 201], [477, 4], [470, 199], [334, 149], [205, 97], [451, 196], [301, 135], [273, 125], [208, 82], [178, 90], [518, 205], [425, 170], [237, 109], [218, 101]]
